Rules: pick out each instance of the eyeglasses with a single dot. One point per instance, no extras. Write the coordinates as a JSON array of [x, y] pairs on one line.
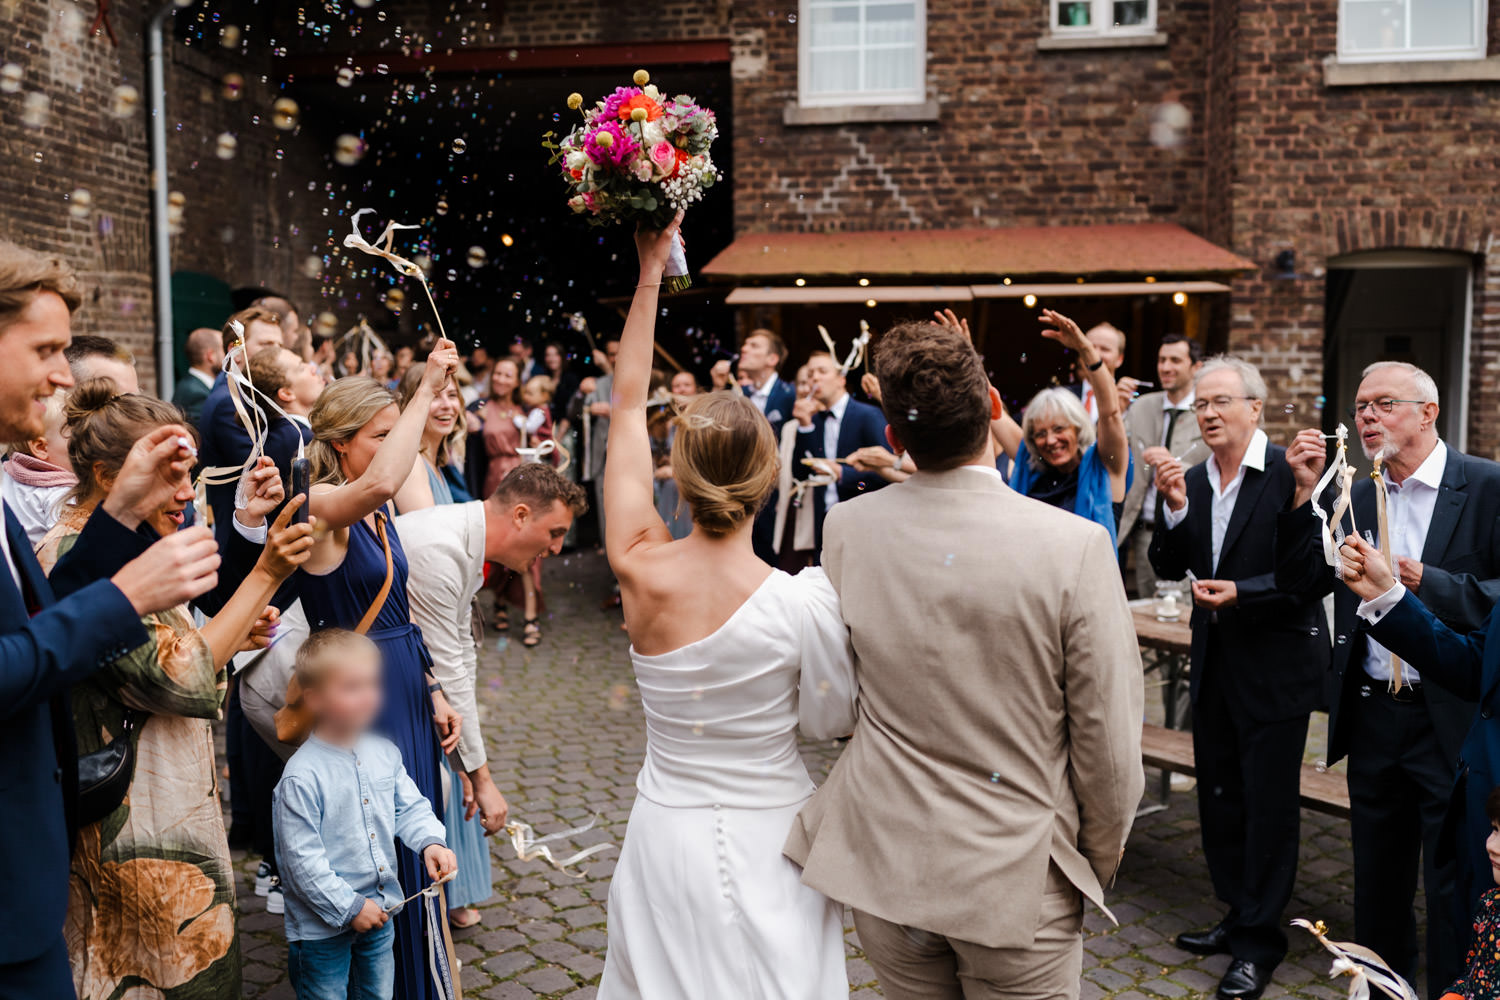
[[1384, 405], [1219, 403]]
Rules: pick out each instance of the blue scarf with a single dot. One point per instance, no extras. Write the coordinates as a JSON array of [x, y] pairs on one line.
[[1094, 499]]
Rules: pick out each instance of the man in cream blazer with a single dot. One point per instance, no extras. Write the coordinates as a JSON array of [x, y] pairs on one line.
[[526, 519], [995, 768]]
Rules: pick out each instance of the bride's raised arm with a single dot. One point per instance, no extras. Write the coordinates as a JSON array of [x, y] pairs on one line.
[[630, 517]]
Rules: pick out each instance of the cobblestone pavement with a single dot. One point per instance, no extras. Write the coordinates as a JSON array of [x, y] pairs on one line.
[[566, 737]]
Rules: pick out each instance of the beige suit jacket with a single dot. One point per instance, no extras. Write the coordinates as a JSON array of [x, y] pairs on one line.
[[1143, 423], [1000, 706]]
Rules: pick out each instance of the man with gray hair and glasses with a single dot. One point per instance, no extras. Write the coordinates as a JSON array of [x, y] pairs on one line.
[[1401, 735]]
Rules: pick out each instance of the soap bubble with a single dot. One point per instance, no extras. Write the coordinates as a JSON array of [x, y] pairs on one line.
[[226, 145], [229, 36], [80, 203], [11, 77], [123, 101], [312, 266], [35, 109], [459, 146], [1170, 122], [477, 257], [284, 113], [348, 150], [395, 300], [231, 86], [345, 76], [442, 206]]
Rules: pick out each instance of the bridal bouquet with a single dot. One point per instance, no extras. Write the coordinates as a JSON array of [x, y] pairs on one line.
[[638, 157]]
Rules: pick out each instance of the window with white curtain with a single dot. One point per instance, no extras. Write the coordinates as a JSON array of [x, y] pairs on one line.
[[1103, 17], [1380, 30], [862, 52]]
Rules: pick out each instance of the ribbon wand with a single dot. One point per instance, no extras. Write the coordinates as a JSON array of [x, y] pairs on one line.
[[431, 890], [1383, 528]]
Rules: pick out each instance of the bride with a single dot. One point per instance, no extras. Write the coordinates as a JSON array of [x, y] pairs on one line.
[[730, 658]]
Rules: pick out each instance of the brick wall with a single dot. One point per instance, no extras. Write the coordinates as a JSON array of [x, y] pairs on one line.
[[1023, 136], [1328, 171], [249, 220]]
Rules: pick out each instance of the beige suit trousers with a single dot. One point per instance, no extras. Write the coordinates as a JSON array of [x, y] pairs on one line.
[[919, 965]]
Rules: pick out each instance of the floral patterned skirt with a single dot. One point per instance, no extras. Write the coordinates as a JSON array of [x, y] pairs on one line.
[[151, 906]]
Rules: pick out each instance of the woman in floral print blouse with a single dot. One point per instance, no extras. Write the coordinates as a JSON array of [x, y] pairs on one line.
[[1482, 982], [151, 907]]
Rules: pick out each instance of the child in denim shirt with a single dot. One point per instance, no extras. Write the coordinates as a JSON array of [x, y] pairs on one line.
[[342, 802]]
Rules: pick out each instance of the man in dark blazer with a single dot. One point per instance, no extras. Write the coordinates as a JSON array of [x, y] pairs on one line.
[[1467, 665], [1259, 655], [760, 359], [205, 355], [223, 438], [1403, 744], [45, 644], [842, 427]]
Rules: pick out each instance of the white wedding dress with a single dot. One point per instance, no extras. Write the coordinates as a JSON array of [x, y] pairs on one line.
[[702, 905]]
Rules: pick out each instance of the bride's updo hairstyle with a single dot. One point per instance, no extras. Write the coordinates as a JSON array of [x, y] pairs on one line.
[[724, 459]]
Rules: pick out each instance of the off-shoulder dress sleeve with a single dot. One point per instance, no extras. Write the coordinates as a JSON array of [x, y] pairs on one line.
[[828, 690]]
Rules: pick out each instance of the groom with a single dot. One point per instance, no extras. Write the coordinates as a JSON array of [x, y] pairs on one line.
[[995, 767]]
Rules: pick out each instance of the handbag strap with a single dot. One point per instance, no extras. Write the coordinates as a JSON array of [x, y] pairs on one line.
[[390, 573]]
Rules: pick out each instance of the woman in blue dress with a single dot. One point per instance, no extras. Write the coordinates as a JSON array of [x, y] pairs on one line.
[[442, 456], [1060, 456], [363, 451]]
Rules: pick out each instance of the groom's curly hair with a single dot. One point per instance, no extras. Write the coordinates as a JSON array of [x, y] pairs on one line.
[[935, 393]]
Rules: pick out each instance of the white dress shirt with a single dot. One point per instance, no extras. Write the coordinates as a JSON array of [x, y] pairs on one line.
[[1185, 410], [1225, 494], [444, 548], [761, 394], [831, 443], [202, 376], [1408, 512]]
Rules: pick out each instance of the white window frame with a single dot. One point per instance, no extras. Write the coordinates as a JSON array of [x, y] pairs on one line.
[[1102, 21], [1475, 51], [916, 95]]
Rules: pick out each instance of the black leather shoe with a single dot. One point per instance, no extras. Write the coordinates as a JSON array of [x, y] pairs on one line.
[[1244, 981], [1214, 941]]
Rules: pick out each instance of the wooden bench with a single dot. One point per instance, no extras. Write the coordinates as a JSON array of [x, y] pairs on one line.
[[1171, 750]]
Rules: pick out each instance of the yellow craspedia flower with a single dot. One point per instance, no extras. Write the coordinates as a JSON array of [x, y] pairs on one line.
[[575, 101], [604, 139], [641, 78], [638, 114]]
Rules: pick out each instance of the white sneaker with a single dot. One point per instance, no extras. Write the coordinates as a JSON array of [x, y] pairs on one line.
[[275, 900], [263, 876]]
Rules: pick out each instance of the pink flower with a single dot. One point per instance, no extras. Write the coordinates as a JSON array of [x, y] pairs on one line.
[[664, 155], [619, 148]]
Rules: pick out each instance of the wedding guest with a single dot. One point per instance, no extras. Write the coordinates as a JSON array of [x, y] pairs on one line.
[[795, 528], [364, 449], [995, 768], [205, 355], [404, 357], [49, 643], [498, 427], [322, 349], [223, 439], [669, 506], [1159, 425], [349, 365], [565, 381], [286, 315], [536, 397], [701, 903], [1109, 342], [521, 352], [1402, 744], [174, 927], [295, 385], [444, 438], [1468, 665], [381, 366], [841, 427], [589, 412], [90, 356], [1063, 457], [1483, 975], [1259, 656], [343, 783], [37, 477], [523, 522], [479, 364]]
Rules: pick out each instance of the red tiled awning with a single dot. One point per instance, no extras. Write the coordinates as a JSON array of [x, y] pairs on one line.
[[1153, 248]]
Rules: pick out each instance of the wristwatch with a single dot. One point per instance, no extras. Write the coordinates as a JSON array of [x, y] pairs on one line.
[[1096, 365]]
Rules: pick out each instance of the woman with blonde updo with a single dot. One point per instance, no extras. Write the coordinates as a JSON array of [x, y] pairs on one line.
[[730, 657], [364, 451], [151, 885]]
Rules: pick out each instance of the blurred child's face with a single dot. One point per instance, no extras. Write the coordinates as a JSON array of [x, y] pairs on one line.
[[534, 395], [348, 699], [1492, 848]]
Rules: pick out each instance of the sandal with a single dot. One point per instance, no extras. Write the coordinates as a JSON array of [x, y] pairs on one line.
[[502, 619], [533, 633], [466, 917]]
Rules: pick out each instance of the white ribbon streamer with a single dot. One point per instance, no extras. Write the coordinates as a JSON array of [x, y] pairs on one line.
[[856, 353], [1333, 529], [1363, 967], [382, 248], [530, 847]]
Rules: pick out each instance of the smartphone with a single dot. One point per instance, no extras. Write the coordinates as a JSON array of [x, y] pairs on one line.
[[301, 476]]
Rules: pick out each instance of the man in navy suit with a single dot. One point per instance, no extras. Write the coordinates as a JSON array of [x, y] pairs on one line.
[[223, 438], [1259, 655], [1443, 510], [46, 644], [843, 427], [760, 359]]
